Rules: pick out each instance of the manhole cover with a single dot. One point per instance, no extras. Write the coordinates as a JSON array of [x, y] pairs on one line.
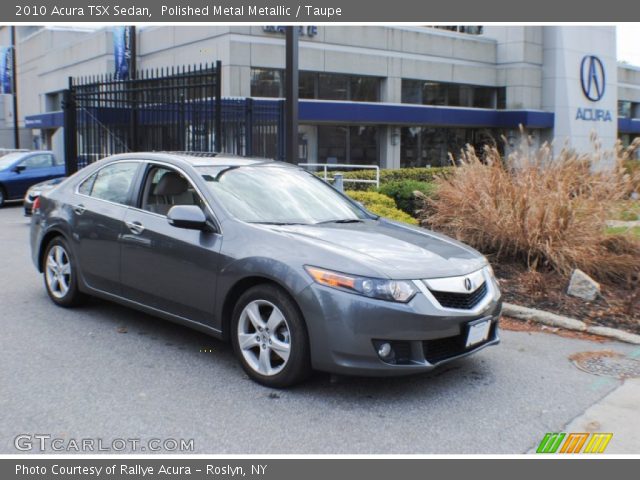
[[607, 364]]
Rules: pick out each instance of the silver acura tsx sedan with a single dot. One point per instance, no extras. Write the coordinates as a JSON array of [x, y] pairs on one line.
[[264, 254]]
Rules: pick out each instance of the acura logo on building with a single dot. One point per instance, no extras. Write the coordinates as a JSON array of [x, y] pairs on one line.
[[592, 77], [468, 284]]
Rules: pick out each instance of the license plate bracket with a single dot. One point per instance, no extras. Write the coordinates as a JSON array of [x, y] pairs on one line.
[[478, 331]]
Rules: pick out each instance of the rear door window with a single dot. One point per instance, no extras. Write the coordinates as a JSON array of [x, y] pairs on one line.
[[112, 183]]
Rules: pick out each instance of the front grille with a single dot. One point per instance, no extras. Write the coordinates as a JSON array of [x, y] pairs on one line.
[[443, 348], [461, 301]]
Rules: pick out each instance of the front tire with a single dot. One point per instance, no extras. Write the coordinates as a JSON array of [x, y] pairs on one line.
[[60, 274], [3, 196], [270, 338]]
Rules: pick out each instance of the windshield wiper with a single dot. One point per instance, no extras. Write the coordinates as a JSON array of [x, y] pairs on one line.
[[341, 220]]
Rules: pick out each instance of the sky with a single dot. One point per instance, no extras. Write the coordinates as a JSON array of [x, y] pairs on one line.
[[629, 43]]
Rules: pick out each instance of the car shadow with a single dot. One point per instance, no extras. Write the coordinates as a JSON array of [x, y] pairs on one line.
[[444, 380]]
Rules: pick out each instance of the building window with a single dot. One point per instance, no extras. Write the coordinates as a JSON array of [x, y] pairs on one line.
[[363, 145], [452, 94], [364, 89], [315, 85], [53, 102], [333, 87], [266, 82], [308, 85], [485, 97], [434, 94], [431, 146], [624, 109], [468, 29], [332, 144], [501, 101], [356, 144]]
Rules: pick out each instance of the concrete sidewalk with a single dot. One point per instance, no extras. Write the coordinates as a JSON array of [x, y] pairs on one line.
[[618, 413]]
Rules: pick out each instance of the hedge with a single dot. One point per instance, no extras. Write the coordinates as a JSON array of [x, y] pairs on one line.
[[402, 193], [381, 205]]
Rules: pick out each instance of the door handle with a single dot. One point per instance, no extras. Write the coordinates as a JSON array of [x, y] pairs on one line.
[[79, 209], [135, 227]]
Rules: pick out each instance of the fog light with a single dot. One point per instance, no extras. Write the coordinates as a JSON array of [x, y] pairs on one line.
[[384, 350]]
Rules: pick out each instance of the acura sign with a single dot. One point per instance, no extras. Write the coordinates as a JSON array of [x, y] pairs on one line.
[[592, 77], [593, 82]]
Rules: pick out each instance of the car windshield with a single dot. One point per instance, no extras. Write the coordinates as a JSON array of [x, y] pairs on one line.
[[278, 195], [9, 159]]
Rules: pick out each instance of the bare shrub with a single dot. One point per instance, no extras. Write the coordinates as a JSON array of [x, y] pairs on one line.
[[546, 211]]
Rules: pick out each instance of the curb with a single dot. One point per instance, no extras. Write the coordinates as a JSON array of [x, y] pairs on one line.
[[623, 223], [560, 321]]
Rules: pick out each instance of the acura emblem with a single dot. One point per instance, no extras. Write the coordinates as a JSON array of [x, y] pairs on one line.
[[592, 77], [468, 284]]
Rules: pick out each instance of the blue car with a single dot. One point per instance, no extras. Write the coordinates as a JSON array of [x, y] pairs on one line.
[[21, 170]]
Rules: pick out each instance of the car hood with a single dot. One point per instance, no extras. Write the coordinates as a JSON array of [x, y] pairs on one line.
[[394, 250]]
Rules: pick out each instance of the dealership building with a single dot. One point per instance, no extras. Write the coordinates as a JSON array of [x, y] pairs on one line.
[[394, 96]]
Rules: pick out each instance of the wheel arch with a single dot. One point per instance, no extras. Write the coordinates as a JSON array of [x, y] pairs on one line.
[[241, 286], [46, 240]]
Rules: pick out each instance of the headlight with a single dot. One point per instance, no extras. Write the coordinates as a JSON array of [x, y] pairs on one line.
[[490, 270], [392, 290]]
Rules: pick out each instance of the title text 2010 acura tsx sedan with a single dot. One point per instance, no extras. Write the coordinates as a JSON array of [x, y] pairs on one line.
[[268, 256]]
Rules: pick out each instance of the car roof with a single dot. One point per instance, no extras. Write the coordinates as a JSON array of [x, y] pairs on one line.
[[24, 153], [203, 159]]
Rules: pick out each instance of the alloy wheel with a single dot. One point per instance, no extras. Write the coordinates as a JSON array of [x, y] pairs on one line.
[[58, 271], [264, 337]]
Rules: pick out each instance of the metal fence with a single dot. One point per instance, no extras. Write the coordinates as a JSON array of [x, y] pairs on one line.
[[253, 127], [340, 168], [177, 109]]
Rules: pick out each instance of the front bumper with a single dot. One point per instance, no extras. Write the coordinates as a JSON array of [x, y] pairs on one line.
[[345, 328]]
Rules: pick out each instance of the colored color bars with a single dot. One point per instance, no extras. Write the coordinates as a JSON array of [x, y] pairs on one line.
[[573, 443]]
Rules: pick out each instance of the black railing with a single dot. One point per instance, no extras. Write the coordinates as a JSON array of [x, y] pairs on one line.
[[177, 109]]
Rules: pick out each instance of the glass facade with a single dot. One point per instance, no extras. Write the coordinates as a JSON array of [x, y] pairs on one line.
[[452, 94], [267, 82], [468, 29], [624, 109], [431, 146], [356, 144]]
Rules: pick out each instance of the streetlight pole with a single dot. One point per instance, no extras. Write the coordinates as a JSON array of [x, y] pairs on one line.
[[14, 89], [291, 95]]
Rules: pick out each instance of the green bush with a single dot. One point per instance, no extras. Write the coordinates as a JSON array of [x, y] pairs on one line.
[[422, 174], [381, 205], [402, 192]]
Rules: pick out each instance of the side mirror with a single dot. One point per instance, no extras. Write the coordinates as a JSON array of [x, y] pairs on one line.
[[18, 168], [190, 217]]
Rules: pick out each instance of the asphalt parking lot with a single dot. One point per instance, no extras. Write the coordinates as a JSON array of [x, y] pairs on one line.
[[104, 371]]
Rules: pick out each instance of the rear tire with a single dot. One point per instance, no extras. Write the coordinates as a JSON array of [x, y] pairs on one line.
[[60, 274], [270, 337]]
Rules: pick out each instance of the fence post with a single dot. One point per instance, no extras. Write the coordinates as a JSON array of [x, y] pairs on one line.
[[218, 117], [248, 127], [70, 126], [281, 132], [338, 182]]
